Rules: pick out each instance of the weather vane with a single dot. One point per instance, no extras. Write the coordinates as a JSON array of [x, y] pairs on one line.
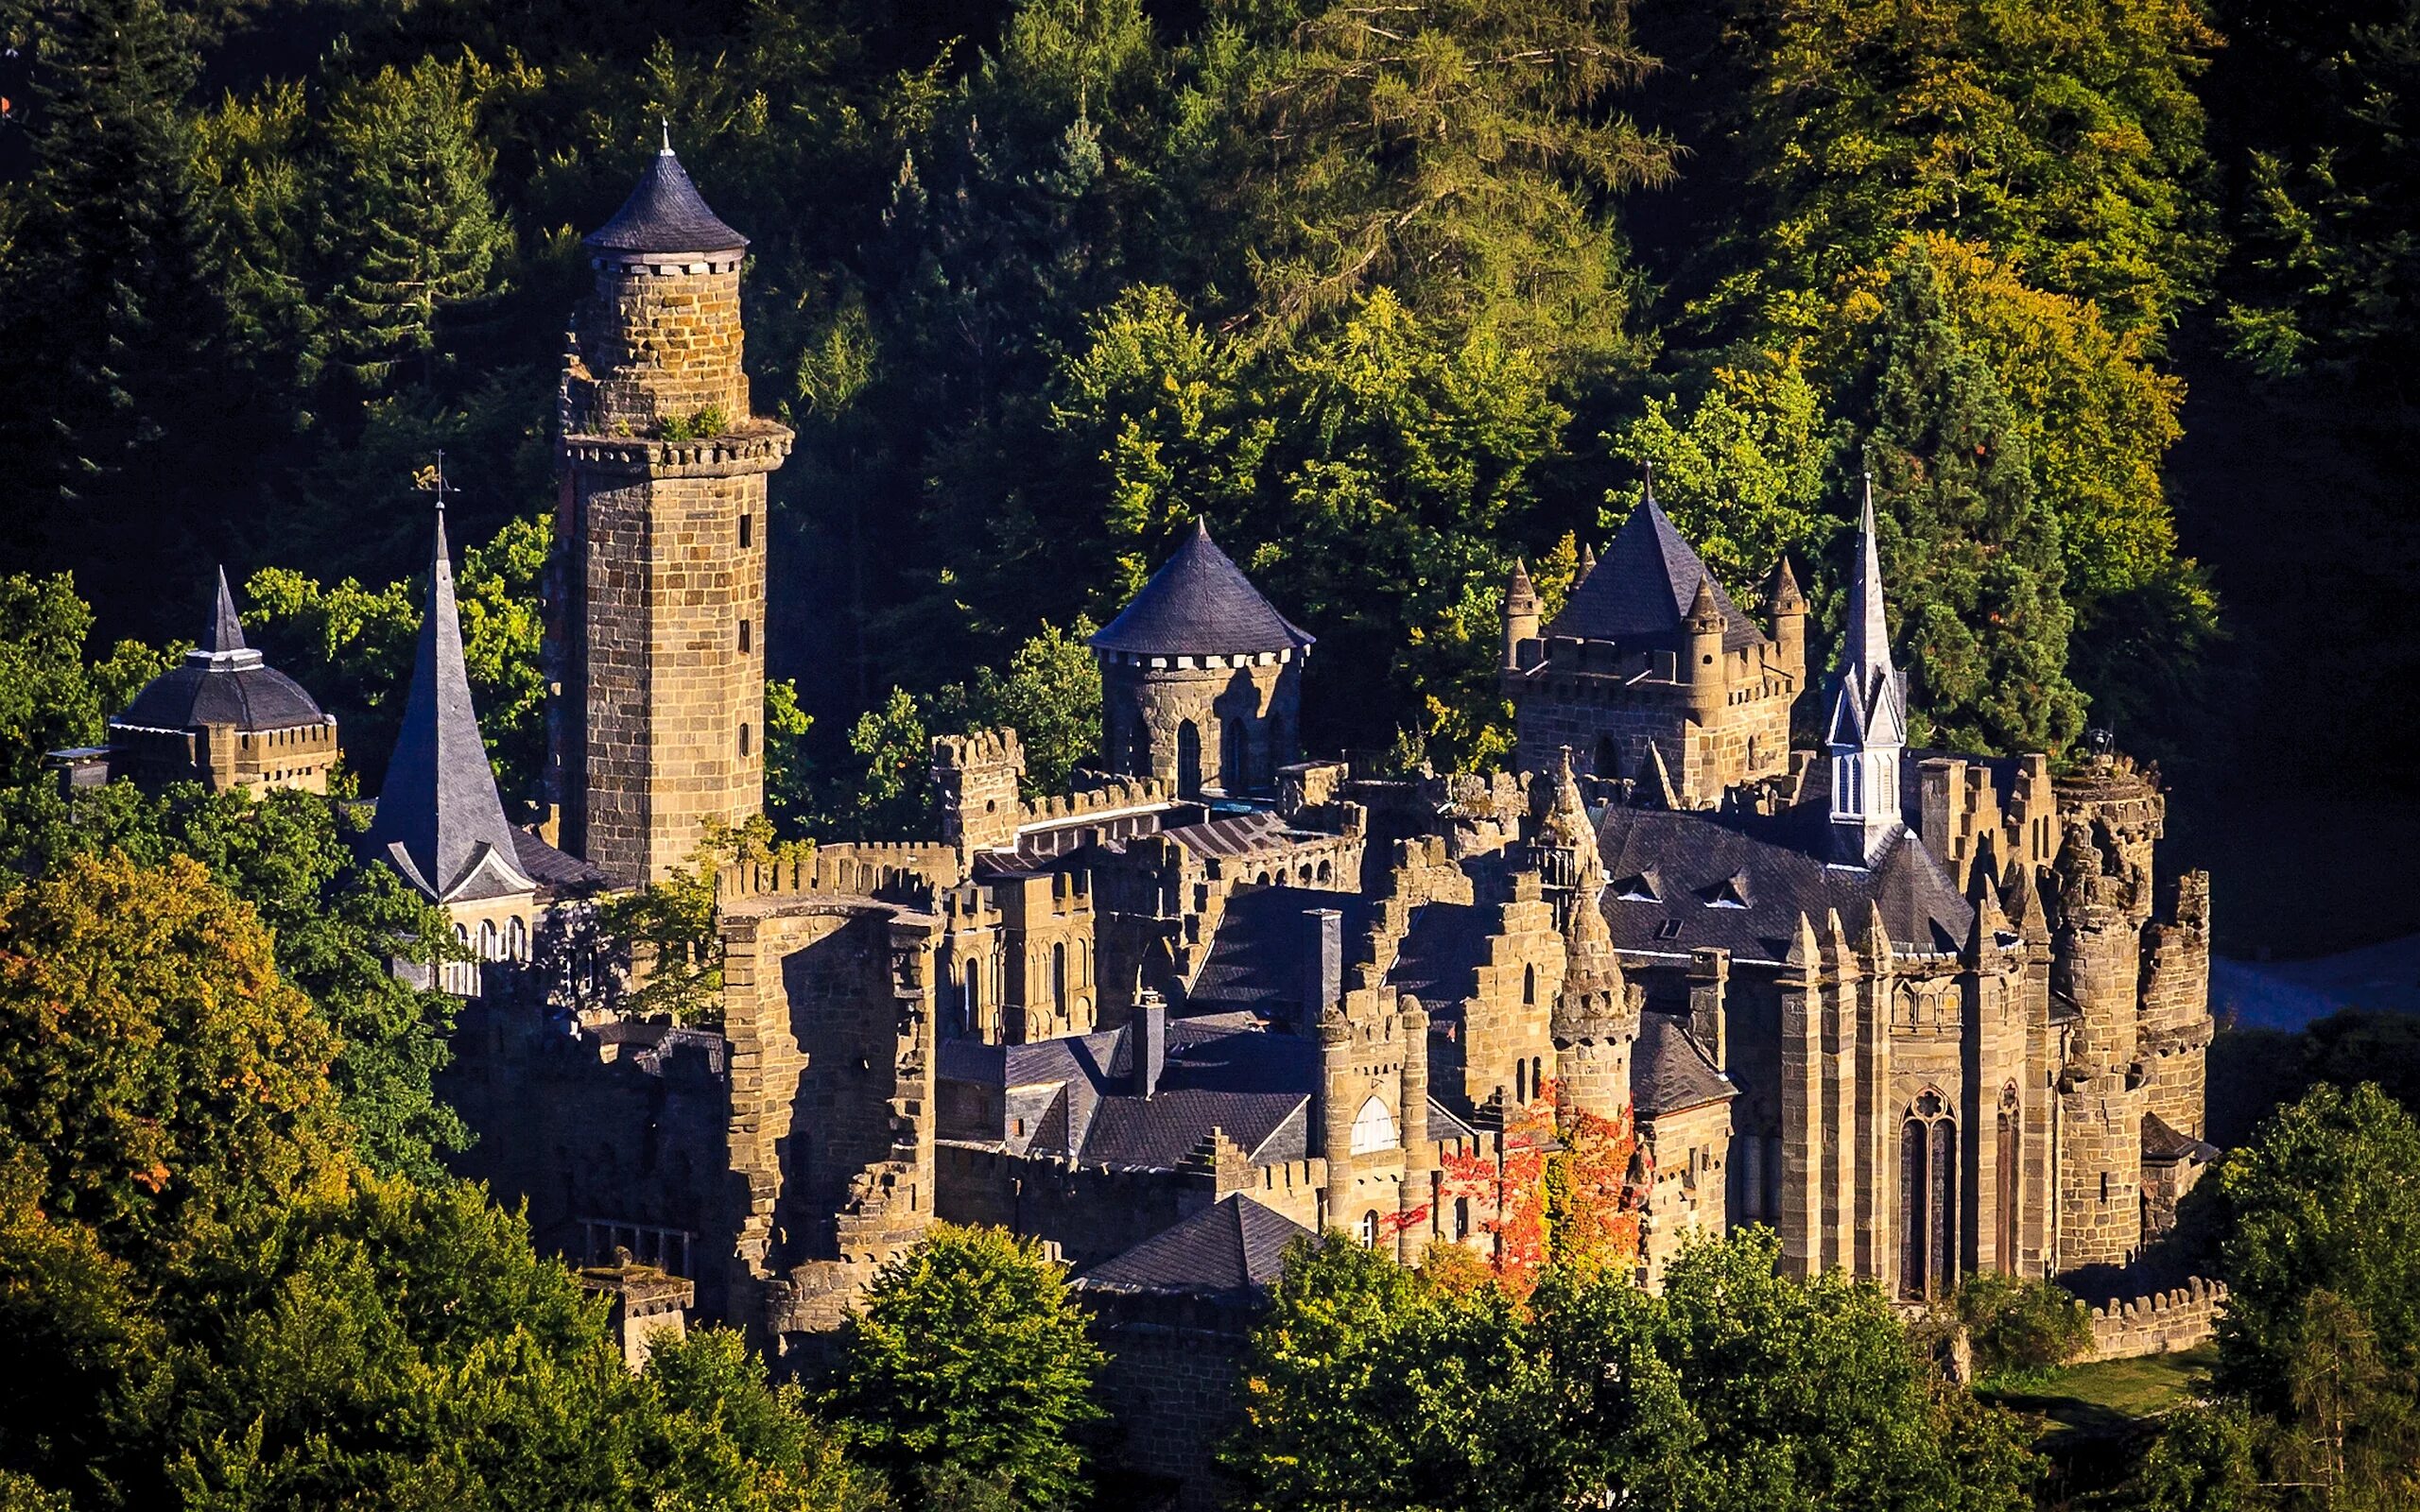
[[431, 480]]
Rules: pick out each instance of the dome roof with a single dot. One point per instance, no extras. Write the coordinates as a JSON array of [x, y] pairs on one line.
[[1199, 604], [222, 683], [663, 214]]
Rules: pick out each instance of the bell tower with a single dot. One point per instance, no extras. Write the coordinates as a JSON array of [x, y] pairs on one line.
[[658, 613]]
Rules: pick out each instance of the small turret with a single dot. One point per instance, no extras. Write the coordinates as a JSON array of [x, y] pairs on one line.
[[1521, 610], [1587, 565], [1788, 608], [1703, 673]]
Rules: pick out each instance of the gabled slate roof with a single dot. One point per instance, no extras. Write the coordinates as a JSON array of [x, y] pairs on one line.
[[666, 214], [223, 681], [1232, 1251], [1642, 586], [1670, 1073], [439, 821], [1700, 860], [1199, 604], [1256, 960]]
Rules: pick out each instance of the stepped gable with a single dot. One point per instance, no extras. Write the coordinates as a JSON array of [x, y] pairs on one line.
[[1644, 587], [1199, 604], [223, 681], [1670, 1073], [1681, 882], [439, 819], [1233, 1250], [665, 214]]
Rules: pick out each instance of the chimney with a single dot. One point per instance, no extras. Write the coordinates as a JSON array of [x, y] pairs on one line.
[[1709, 976], [1323, 964], [1150, 1041]]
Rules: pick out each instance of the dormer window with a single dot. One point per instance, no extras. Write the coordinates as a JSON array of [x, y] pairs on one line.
[[1730, 892], [1639, 887]]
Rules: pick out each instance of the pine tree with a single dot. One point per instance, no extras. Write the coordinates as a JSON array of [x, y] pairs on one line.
[[104, 308], [1971, 551], [426, 237]]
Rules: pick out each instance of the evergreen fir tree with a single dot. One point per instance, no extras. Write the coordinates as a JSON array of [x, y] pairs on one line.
[[105, 307], [1971, 550], [427, 236]]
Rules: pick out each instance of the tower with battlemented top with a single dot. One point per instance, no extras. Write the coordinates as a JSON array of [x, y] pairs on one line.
[[658, 608]]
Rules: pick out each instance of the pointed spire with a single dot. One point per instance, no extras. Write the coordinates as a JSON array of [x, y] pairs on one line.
[[439, 821], [1866, 646], [665, 122], [1566, 825], [1657, 789], [2025, 904], [1878, 950], [1838, 953], [1587, 565], [665, 215], [1785, 597], [1803, 950], [1521, 594], [1705, 611]]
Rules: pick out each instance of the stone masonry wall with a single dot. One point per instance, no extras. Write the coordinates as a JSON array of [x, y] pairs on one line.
[[2159, 1322], [1172, 1383], [653, 347], [673, 613], [1144, 710]]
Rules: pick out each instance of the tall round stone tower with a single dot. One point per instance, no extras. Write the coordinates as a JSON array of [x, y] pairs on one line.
[[1202, 679], [658, 608]]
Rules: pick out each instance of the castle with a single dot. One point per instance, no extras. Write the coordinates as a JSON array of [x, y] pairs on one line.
[[1919, 1011]]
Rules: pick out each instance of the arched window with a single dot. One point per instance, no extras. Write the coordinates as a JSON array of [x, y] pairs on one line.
[[1609, 758], [1327, 873], [1373, 1128], [1520, 1081], [1059, 977], [1234, 768], [1927, 1199], [1189, 759], [1462, 1217], [487, 939], [1528, 986], [1138, 759], [516, 937], [1369, 1229]]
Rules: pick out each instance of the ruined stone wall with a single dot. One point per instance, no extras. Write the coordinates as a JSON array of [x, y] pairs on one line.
[[2175, 1027], [2159, 1322], [1148, 704], [827, 1008], [1504, 1034], [1090, 1213]]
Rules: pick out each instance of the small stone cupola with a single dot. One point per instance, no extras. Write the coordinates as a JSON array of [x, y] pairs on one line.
[[1865, 725], [225, 718], [1202, 679]]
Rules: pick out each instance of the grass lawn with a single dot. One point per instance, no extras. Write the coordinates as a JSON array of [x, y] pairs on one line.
[[2111, 1396]]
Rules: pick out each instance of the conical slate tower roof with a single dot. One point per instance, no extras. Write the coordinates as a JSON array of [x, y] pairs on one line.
[[663, 214], [1199, 604], [1644, 587], [223, 681], [439, 821]]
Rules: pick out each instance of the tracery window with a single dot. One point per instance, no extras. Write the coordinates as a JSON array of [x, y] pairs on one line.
[[1929, 1195]]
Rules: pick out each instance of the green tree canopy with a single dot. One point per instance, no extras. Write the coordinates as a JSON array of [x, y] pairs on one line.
[[970, 1356]]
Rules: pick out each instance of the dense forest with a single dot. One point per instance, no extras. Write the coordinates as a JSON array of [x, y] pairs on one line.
[[2114, 299]]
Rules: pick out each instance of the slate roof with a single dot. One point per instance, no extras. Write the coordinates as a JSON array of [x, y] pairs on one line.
[[1442, 949], [1199, 604], [439, 821], [1670, 1073], [1642, 588], [554, 871], [1236, 835], [1739, 883], [1232, 1251], [666, 214], [2163, 1143], [222, 683], [1256, 961]]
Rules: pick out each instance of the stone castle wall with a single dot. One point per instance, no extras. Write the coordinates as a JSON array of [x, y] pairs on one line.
[[1173, 1365], [650, 346], [2158, 1322], [1146, 706]]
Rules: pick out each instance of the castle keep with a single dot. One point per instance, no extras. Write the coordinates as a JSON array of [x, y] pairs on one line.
[[1926, 1013]]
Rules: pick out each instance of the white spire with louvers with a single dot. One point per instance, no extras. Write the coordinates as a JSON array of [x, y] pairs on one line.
[[1868, 724]]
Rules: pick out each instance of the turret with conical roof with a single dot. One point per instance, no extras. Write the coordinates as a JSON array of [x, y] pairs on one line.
[[657, 631], [1593, 1021], [1649, 653], [1202, 677], [225, 718], [439, 821], [1521, 611]]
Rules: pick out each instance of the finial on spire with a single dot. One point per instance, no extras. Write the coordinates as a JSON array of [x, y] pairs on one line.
[[1647, 471], [665, 122], [431, 480], [226, 633]]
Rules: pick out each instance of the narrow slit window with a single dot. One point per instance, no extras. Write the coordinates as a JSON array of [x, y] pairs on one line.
[[747, 528], [743, 637], [743, 740]]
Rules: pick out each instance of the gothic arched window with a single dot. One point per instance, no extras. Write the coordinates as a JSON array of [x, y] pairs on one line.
[[1927, 1198], [1373, 1128]]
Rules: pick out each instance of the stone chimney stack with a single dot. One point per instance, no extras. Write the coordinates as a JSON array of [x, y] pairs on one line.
[[1150, 1047]]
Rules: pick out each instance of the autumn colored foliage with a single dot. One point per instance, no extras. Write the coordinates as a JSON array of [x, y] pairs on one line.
[[1553, 1190]]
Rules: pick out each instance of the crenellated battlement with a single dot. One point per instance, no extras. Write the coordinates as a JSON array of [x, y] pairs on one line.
[[2157, 1322], [1114, 794]]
